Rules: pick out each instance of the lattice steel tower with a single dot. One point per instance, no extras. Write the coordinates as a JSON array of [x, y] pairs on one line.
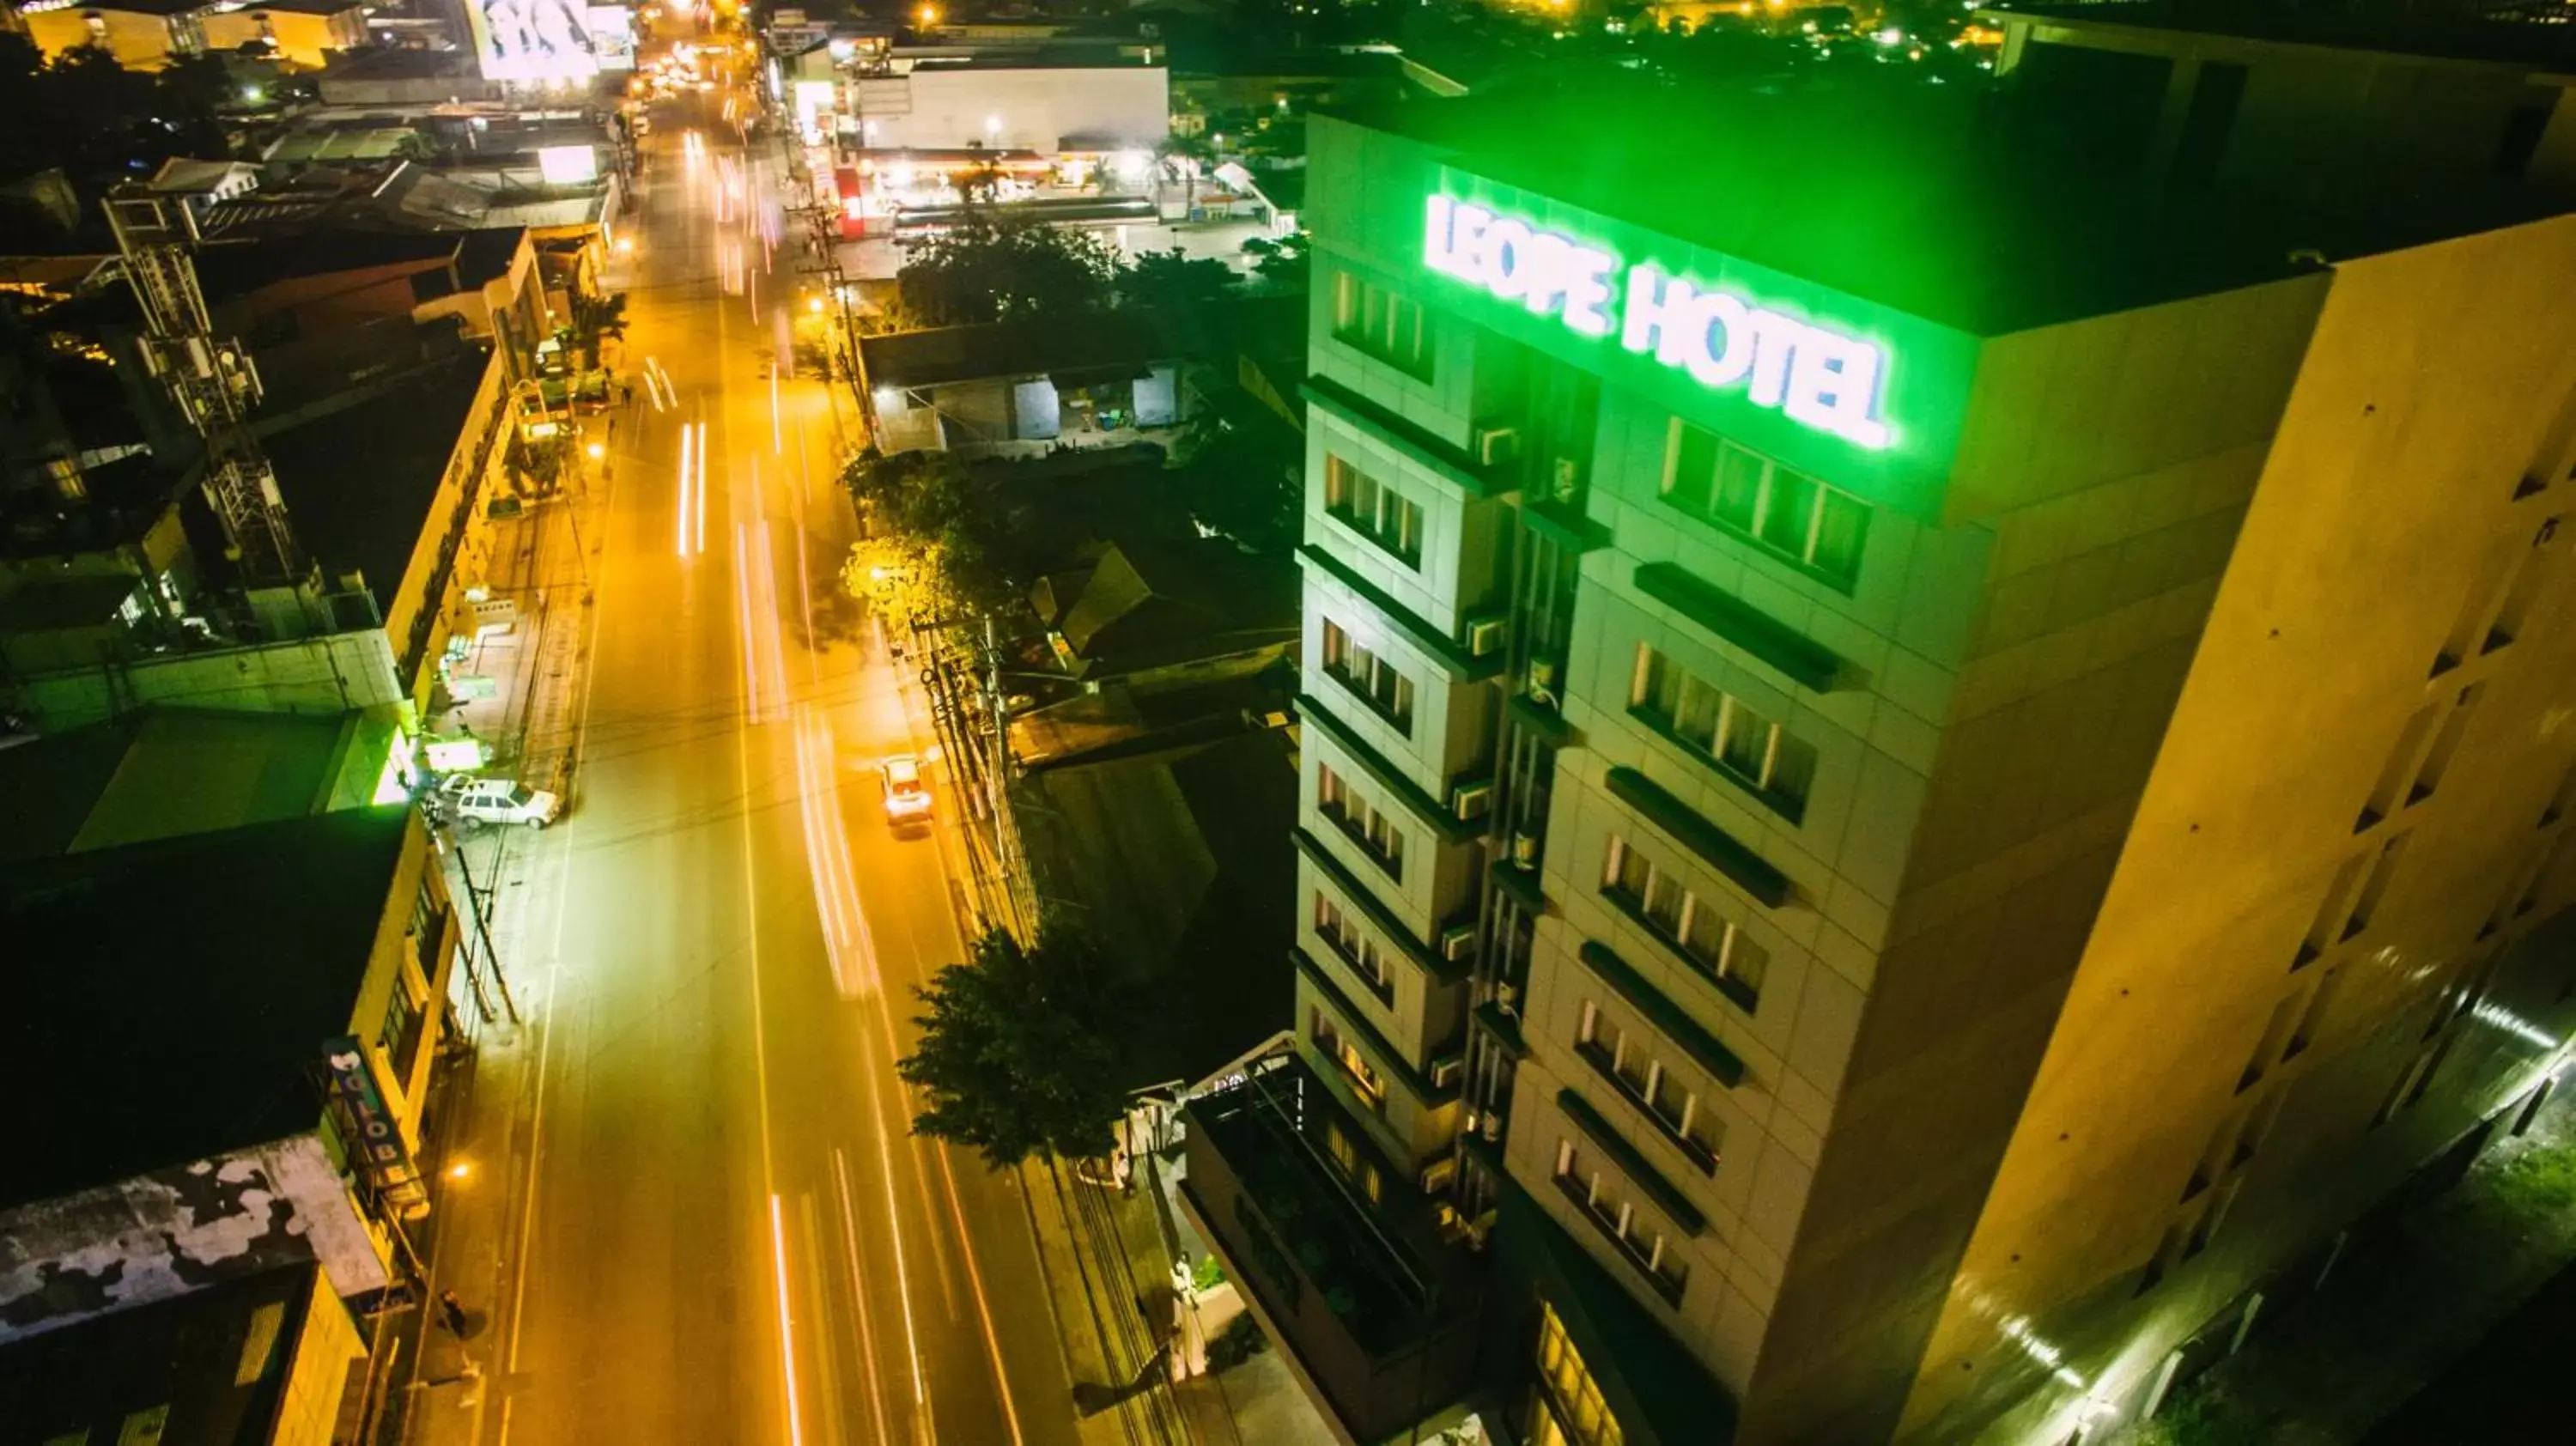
[[210, 377]]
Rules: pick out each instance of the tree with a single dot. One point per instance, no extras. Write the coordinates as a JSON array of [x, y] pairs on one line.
[[1011, 1060], [1242, 484], [1281, 260], [1189, 157], [957, 526], [1171, 279], [987, 269]]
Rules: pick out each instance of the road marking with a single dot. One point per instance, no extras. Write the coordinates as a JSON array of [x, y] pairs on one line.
[[786, 1324], [702, 486], [858, 1291]]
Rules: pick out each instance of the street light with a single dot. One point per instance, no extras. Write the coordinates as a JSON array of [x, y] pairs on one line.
[[929, 16]]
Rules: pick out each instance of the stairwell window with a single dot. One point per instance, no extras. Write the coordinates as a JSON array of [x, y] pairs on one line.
[[1787, 513], [1369, 677], [1353, 946], [1575, 1415], [1724, 731], [1369, 827], [1370, 1085], [1383, 323], [1702, 931], [1373, 510]]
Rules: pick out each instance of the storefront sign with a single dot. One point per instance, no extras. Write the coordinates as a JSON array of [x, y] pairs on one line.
[[1816, 376], [376, 1138]]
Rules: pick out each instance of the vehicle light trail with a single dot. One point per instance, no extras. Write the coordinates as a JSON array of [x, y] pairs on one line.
[[786, 1321], [858, 1291], [688, 438]]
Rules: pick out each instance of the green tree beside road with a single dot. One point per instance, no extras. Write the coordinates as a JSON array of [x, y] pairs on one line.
[[1012, 1060]]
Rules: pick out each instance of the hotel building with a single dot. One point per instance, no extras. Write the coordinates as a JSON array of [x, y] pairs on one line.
[[1922, 775]]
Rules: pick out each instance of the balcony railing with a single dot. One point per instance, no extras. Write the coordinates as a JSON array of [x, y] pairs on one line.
[[1377, 1310]]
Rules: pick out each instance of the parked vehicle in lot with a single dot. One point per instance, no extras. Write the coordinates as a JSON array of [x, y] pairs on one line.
[[907, 792], [467, 799]]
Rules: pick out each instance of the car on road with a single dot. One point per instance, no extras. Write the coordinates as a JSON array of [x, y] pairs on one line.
[[907, 791], [468, 799]]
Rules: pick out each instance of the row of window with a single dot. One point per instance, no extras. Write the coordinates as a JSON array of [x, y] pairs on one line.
[[1818, 528], [1785, 512], [1374, 510], [1629, 1059], [1382, 323], [1724, 731], [1369, 826], [1355, 946], [1369, 677], [1634, 1231], [1699, 927]]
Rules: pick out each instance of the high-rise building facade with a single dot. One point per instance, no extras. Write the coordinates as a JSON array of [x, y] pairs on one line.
[[1917, 781]]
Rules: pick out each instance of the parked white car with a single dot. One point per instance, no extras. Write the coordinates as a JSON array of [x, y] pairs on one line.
[[496, 800]]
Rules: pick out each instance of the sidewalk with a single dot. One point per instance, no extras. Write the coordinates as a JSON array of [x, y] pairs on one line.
[[481, 1153], [2402, 1307]]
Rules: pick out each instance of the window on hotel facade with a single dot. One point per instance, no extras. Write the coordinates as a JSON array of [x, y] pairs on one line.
[[1787, 513], [1370, 828], [1636, 1235], [1344, 936], [1378, 321], [1628, 1060], [1724, 731], [1354, 1065], [1698, 928], [1373, 510], [1575, 1414], [1374, 680]]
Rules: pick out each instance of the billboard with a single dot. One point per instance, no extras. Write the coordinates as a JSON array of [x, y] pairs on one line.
[[612, 36], [533, 40]]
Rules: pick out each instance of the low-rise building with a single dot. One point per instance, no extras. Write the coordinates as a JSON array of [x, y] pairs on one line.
[[263, 1360], [273, 997]]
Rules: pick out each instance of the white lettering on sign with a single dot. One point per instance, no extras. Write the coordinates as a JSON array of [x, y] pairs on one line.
[[1819, 377]]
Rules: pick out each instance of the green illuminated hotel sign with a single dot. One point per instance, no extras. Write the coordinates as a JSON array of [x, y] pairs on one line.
[[1818, 377]]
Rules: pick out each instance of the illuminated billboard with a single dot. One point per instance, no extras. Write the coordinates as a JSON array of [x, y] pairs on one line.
[[612, 36], [533, 40]]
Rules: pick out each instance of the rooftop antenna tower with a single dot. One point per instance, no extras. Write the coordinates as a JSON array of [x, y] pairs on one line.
[[210, 377]]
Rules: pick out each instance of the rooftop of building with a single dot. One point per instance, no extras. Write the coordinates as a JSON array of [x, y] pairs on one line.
[[1177, 853], [124, 7], [211, 1364], [387, 62], [305, 7], [210, 970], [171, 772], [359, 480], [1150, 604], [1935, 201], [2380, 28]]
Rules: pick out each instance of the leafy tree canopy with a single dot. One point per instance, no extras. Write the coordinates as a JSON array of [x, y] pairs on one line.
[[1011, 1060], [1173, 279], [988, 269], [100, 122]]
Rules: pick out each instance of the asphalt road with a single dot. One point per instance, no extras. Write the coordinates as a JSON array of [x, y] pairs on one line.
[[730, 1235]]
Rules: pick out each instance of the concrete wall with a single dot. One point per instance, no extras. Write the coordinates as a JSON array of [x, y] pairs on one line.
[[395, 964], [2385, 522], [330, 674], [317, 1376], [2102, 474]]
